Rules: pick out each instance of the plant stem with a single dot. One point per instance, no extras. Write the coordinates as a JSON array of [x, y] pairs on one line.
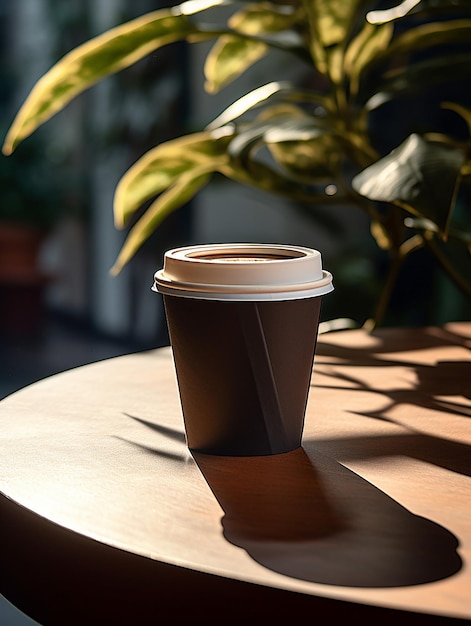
[[386, 293], [447, 266], [408, 246]]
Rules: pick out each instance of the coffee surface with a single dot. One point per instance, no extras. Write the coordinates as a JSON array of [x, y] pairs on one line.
[[242, 258]]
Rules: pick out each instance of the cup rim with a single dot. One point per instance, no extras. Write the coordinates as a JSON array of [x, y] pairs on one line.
[[242, 271]]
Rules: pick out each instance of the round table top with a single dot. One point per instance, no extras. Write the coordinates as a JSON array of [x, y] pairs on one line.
[[374, 510]]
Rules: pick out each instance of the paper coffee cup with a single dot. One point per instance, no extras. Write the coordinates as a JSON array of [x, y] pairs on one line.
[[242, 321]]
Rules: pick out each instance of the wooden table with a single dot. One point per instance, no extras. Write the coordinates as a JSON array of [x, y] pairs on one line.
[[107, 519]]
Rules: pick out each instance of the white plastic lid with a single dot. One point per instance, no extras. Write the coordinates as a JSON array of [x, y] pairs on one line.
[[243, 271]]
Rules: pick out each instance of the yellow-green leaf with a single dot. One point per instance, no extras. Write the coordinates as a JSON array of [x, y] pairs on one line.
[[249, 101], [334, 57], [370, 41], [176, 196], [308, 158], [262, 17], [318, 54], [330, 22], [153, 173], [230, 56], [282, 112], [334, 19], [161, 167], [381, 235], [98, 58]]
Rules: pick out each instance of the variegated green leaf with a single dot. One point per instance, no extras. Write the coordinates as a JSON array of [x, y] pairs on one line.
[[265, 95], [330, 22], [310, 161], [364, 48], [305, 150], [262, 17], [161, 167], [298, 143], [260, 176], [98, 58], [183, 190], [251, 100], [230, 56], [334, 19], [280, 114]]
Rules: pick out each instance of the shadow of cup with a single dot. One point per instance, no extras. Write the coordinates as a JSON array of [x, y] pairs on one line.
[[310, 518], [268, 498]]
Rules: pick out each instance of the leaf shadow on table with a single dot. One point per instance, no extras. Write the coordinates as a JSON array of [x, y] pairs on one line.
[[441, 387], [304, 515], [391, 350]]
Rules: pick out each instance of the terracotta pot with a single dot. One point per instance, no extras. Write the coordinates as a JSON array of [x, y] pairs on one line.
[[19, 248], [21, 281]]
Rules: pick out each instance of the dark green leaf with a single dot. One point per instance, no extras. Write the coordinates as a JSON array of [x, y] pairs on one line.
[[462, 111], [458, 232], [420, 176], [419, 77], [427, 36]]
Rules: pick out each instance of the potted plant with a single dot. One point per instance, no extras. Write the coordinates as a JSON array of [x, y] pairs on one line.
[[322, 142]]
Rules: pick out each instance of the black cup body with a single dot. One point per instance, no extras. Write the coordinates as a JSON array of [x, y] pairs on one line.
[[243, 371]]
